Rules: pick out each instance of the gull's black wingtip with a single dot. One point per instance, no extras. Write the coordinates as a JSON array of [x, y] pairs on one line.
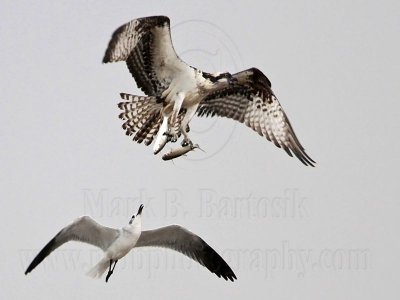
[[30, 268], [232, 277], [223, 270], [50, 246]]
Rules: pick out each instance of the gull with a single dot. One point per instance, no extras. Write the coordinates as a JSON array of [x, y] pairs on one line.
[[175, 92], [116, 243]]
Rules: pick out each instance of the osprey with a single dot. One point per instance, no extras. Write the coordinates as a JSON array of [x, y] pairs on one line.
[[175, 92]]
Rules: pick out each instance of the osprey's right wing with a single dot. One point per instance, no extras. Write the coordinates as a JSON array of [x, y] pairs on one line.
[[146, 47]]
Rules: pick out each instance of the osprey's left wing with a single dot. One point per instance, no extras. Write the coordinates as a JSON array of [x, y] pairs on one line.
[[250, 100], [145, 44]]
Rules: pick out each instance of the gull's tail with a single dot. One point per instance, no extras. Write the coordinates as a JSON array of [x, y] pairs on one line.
[[142, 116], [99, 268]]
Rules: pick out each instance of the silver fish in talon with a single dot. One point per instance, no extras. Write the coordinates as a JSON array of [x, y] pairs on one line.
[[174, 153]]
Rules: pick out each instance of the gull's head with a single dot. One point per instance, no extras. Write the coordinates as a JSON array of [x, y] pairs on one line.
[[136, 218]]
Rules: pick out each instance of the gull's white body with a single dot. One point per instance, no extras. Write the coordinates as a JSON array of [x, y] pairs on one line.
[[126, 241], [128, 238]]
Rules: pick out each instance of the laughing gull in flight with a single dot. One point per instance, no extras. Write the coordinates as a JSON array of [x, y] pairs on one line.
[[116, 243]]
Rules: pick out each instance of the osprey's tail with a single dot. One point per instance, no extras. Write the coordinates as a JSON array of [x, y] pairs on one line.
[[142, 117], [99, 268]]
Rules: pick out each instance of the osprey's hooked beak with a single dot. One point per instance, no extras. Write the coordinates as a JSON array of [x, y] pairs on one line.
[[230, 78], [140, 209]]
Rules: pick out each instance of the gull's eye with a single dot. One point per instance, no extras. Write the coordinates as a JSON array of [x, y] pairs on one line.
[[131, 220]]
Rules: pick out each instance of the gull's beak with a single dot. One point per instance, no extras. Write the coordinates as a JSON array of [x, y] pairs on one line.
[[140, 209]]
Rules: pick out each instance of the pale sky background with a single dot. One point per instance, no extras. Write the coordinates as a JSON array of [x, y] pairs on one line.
[[288, 231]]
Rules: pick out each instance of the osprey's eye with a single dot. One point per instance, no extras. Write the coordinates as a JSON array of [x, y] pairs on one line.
[[133, 217]]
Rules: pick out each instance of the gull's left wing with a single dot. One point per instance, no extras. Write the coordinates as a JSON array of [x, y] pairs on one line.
[[182, 240]]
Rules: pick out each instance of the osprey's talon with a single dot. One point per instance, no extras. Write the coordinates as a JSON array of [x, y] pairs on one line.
[[169, 136], [186, 142]]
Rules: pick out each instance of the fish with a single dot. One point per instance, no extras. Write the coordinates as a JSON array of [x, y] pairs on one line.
[[174, 153]]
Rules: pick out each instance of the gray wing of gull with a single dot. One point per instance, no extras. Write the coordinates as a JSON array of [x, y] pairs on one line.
[[182, 240], [83, 229]]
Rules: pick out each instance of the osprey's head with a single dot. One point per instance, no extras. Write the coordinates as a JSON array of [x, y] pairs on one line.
[[136, 218], [226, 76]]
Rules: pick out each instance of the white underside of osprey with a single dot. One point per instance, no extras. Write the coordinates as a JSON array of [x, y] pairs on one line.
[[183, 92]]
